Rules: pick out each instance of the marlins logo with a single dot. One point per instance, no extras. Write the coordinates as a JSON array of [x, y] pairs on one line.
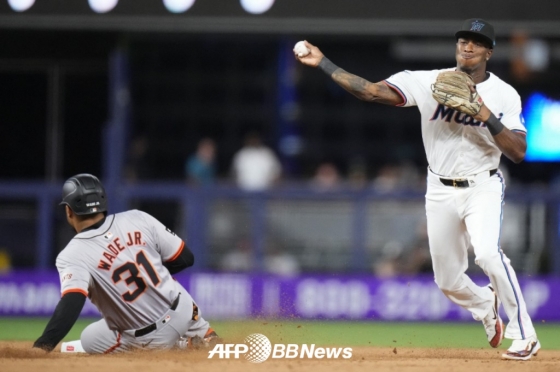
[[477, 26]]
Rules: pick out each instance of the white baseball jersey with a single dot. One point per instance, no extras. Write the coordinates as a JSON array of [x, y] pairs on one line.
[[457, 145], [118, 265]]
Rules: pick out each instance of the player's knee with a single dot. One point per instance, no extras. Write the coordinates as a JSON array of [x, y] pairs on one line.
[[447, 286], [87, 341], [488, 261], [92, 341], [447, 289]]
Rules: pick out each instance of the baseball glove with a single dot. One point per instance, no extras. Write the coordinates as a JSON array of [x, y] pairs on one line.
[[457, 90]]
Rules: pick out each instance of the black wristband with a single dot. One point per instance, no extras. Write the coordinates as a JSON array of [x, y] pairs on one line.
[[327, 66], [494, 124]]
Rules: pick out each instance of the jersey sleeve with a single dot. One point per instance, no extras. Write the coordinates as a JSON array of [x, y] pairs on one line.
[[406, 84], [167, 243], [73, 277], [512, 116]]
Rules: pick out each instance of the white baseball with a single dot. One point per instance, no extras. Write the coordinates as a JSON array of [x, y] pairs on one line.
[[301, 49]]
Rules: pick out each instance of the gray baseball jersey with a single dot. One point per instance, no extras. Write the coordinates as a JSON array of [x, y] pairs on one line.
[[119, 266]]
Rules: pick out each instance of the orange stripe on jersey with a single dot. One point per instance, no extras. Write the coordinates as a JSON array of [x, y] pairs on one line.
[[115, 346], [178, 252], [77, 290]]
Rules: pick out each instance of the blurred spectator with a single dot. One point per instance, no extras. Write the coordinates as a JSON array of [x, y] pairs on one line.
[[529, 55], [138, 166], [240, 259], [387, 178], [398, 177], [417, 260], [396, 259], [200, 167], [281, 263], [357, 174], [410, 178], [255, 166], [5, 261], [326, 178], [386, 266]]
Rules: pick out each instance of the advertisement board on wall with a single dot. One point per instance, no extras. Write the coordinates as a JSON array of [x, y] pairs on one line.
[[242, 296]]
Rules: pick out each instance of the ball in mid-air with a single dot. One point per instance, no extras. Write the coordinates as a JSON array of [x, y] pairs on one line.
[[300, 49]]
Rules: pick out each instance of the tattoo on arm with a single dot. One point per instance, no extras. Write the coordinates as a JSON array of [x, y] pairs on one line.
[[365, 90], [388, 96], [352, 83]]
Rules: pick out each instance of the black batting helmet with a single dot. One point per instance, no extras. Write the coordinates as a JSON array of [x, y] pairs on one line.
[[84, 194]]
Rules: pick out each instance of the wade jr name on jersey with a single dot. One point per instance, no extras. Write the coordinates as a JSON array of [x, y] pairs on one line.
[[115, 247]]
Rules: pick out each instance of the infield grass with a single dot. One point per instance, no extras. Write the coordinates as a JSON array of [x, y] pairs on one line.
[[384, 334]]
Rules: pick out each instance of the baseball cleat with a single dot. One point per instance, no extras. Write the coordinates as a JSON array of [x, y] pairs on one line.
[[210, 339], [493, 324], [523, 349]]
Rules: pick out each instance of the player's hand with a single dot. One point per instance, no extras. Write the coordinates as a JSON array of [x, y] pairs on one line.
[[313, 58], [37, 352], [456, 89]]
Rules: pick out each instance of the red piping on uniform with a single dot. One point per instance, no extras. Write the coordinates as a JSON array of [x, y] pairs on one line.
[[114, 347]]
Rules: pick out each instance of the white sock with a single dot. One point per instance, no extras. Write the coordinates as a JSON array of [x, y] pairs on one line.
[[72, 347]]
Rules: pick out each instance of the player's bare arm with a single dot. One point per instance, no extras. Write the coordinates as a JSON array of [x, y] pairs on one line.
[[511, 144], [365, 90], [357, 86]]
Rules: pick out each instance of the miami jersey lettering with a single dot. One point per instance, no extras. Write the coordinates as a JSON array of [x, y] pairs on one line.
[[456, 144], [448, 114]]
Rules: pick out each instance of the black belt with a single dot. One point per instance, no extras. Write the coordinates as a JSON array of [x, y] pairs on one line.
[[461, 182], [152, 327]]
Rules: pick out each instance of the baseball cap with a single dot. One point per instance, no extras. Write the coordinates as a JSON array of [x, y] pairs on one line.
[[479, 27]]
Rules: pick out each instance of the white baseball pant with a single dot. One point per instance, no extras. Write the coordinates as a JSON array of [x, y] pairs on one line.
[[459, 217]]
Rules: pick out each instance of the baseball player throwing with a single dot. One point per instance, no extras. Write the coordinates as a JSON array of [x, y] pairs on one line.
[[123, 262], [469, 118]]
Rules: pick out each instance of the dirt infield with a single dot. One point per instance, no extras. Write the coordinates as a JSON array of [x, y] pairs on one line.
[[18, 357]]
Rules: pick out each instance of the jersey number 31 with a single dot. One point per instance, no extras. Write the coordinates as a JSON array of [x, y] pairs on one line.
[[135, 276]]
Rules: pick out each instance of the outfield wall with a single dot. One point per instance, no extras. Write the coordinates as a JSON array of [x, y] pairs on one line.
[[240, 296]]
